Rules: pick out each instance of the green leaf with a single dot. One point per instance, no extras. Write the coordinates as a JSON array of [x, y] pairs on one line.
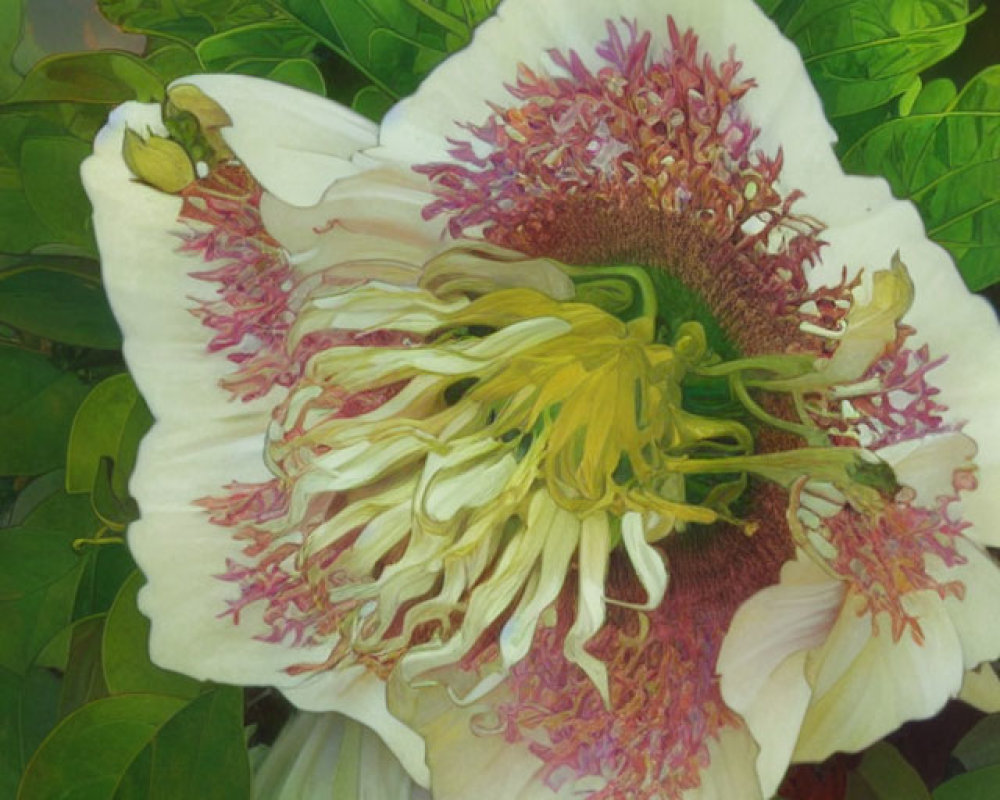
[[107, 77], [39, 575], [35, 493], [58, 299], [372, 102], [395, 44], [29, 707], [174, 61], [184, 20], [88, 753], [884, 774], [862, 54], [200, 752], [275, 40], [36, 411], [83, 679], [945, 157], [127, 667], [11, 12], [979, 785], [109, 424], [980, 747], [105, 570], [299, 72], [21, 229], [50, 174]]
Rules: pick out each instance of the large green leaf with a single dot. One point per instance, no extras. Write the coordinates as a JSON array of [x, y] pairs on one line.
[[185, 20], [299, 72], [36, 410], [127, 667], [983, 784], [395, 44], [105, 570], [50, 174], [945, 157], [884, 774], [200, 752], [107, 77], [274, 40], [59, 299], [861, 54], [79, 662], [980, 747], [11, 12], [87, 754], [39, 575], [109, 424], [147, 747], [29, 707]]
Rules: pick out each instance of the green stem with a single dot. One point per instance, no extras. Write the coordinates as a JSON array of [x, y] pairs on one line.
[[810, 434]]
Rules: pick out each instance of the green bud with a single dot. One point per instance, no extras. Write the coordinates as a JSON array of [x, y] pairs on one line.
[[159, 162]]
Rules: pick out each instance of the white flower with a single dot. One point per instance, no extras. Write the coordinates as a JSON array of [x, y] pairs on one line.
[[508, 416]]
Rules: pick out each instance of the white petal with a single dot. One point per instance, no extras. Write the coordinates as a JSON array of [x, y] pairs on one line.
[[200, 442], [981, 689], [372, 216], [331, 757], [974, 615], [927, 464], [360, 695], [865, 685], [465, 764], [646, 560], [294, 142], [590, 605], [561, 538], [763, 655], [730, 774]]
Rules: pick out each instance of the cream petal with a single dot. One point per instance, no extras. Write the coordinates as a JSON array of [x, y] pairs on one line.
[[981, 689], [927, 464], [464, 763], [201, 442], [294, 142], [331, 757], [364, 219], [865, 685], [590, 604], [762, 660], [731, 773], [357, 693], [975, 614]]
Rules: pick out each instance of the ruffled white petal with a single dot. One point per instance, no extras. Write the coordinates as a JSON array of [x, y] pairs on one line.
[[331, 757], [294, 142]]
